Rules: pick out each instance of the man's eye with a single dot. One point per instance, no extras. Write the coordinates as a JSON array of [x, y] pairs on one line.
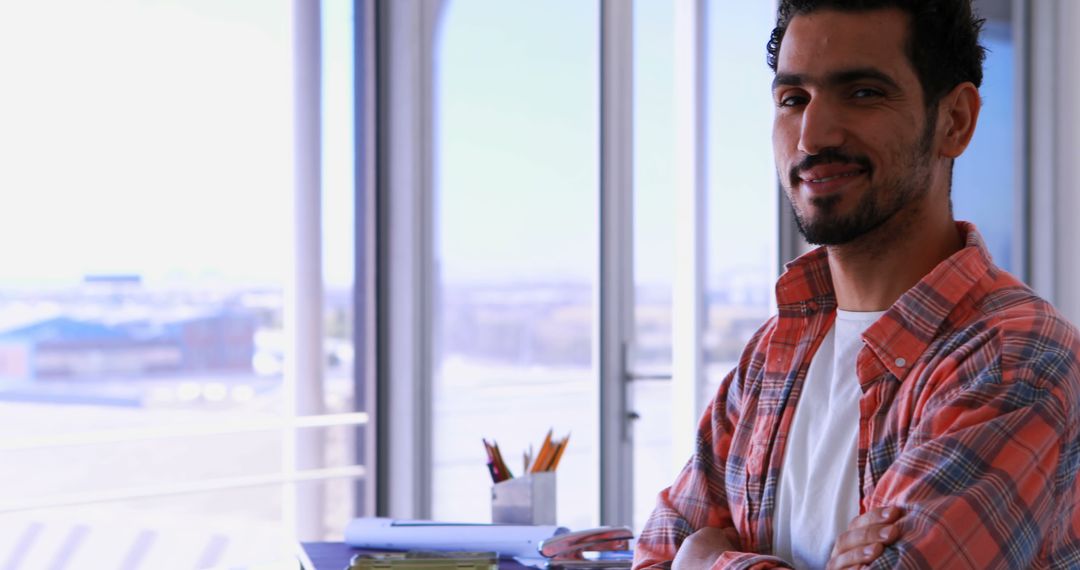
[[865, 93], [792, 100]]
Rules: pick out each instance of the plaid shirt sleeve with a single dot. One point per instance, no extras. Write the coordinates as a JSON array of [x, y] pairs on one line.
[[698, 497], [987, 473]]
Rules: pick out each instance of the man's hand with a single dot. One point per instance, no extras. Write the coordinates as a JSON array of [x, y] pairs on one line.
[[701, 549], [865, 538]]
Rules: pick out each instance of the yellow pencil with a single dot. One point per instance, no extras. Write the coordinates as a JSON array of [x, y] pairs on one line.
[[559, 453], [543, 456]]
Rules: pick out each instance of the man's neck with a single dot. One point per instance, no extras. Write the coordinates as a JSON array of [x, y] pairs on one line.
[[873, 272]]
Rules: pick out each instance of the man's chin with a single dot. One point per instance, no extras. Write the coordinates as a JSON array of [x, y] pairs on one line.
[[830, 232], [825, 238]]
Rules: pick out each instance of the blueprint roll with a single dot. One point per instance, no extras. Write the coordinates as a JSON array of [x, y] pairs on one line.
[[378, 533]]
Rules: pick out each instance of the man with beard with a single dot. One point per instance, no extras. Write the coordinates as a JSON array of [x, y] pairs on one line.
[[911, 405]]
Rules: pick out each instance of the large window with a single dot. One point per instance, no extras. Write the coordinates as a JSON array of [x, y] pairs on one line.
[[742, 196], [148, 174], [514, 186], [149, 152], [516, 134]]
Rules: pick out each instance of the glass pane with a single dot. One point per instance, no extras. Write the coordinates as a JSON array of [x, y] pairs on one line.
[[155, 180], [742, 216], [516, 136], [654, 247], [338, 201], [984, 183], [338, 240]]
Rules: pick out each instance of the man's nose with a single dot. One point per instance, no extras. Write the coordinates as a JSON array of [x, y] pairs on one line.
[[821, 128]]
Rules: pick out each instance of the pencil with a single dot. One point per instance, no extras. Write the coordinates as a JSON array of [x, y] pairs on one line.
[[559, 453], [504, 470], [556, 445], [493, 469], [542, 457]]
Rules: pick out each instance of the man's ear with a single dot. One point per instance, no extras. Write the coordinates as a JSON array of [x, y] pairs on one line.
[[957, 114]]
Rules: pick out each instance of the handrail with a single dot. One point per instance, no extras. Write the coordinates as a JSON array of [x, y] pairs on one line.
[[184, 488], [144, 433]]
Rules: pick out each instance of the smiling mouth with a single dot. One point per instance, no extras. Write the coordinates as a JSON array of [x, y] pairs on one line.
[[836, 177]]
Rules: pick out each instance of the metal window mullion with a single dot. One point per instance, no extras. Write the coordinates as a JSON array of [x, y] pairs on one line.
[[615, 282], [688, 295], [364, 300], [303, 504], [405, 262]]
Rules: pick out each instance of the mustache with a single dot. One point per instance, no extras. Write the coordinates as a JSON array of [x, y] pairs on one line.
[[829, 156]]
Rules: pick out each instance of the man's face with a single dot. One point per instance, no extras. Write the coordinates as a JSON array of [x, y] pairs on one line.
[[852, 141]]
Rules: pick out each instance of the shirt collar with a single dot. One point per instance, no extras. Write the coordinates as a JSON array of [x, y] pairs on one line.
[[902, 334]]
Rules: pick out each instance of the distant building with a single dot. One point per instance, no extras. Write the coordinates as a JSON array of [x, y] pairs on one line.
[[66, 347]]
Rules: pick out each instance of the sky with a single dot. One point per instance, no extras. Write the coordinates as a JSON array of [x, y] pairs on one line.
[[155, 137], [518, 129]]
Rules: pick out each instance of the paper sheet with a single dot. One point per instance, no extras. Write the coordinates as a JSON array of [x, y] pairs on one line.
[[519, 541]]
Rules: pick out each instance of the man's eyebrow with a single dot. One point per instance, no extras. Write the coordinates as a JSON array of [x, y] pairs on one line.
[[788, 79], [834, 78]]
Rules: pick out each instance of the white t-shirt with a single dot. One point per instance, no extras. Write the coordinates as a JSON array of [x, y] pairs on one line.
[[818, 490]]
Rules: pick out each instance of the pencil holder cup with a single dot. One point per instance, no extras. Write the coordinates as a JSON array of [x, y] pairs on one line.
[[529, 499]]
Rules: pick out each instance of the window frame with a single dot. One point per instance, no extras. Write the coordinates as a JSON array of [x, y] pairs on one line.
[[404, 231], [614, 296]]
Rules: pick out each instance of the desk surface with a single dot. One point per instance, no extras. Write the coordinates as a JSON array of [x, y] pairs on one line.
[[336, 556]]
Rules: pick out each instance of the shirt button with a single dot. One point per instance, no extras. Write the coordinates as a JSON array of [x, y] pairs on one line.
[[901, 362]]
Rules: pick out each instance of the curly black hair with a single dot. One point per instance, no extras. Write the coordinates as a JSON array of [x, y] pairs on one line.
[[943, 45]]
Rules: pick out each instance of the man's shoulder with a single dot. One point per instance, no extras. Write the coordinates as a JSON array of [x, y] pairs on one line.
[[1020, 334], [1012, 310]]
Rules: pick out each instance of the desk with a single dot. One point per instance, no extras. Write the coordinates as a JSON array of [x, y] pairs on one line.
[[336, 556]]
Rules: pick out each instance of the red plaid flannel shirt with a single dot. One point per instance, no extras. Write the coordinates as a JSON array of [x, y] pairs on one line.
[[968, 422]]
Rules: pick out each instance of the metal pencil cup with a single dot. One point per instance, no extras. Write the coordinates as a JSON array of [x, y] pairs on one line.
[[529, 499]]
